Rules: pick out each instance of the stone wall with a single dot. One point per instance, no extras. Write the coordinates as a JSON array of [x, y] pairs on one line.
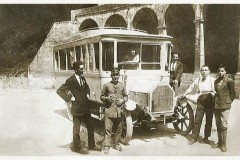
[[14, 82], [42, 64], [41, 71]]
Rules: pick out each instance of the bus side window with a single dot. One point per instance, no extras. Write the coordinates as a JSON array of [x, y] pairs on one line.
[[70, 58], [56, 66], [90, 53], [96, 51], [62, 54], [78, 53], [107, 56], [84, 57], [167, 65]]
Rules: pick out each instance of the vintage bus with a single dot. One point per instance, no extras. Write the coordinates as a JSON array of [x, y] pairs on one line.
[[144, 62]]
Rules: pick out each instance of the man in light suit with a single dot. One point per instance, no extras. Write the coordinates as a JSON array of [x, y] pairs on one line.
[[80, 110], [225, 94], [176, 70]]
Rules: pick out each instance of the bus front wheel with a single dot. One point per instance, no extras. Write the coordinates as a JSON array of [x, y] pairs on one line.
[[185, 120]]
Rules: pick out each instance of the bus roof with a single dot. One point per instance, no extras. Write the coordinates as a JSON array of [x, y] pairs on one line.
[[113, 32]]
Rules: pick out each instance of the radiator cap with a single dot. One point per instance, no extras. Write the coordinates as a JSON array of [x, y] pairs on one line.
[[130, 105]]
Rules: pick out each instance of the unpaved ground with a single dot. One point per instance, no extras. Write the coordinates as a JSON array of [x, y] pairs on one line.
[[35, 123]]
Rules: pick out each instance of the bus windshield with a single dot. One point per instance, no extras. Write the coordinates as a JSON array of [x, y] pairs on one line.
[[133, 56]]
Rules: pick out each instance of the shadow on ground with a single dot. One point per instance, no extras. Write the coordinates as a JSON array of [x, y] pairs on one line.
[[62, 112], [156, 132], [140, 133]]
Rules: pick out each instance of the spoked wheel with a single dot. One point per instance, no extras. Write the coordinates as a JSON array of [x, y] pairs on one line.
[[127, 127], [185, 119]]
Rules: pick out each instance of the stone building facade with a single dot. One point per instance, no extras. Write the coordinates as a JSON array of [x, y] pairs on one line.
[[202, 34]]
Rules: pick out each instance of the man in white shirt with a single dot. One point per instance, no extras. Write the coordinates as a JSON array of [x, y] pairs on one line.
[[205, 104], [176, 70]]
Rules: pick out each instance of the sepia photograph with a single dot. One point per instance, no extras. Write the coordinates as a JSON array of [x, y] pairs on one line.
[[119, 79]]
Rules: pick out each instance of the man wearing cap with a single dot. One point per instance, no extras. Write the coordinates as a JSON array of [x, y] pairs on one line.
[[114, 96], [80, 110]]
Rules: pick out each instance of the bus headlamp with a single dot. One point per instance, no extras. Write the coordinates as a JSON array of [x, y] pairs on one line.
[[183, 101], [130, 105]]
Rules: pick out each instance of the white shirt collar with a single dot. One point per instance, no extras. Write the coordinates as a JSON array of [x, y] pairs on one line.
[[205, 77], [77, 77]]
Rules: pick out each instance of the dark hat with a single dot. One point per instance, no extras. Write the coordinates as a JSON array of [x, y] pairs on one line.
[[115, 71], [76, 64], [206, 99]]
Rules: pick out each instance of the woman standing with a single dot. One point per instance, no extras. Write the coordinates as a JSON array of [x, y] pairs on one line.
[[225, 94]]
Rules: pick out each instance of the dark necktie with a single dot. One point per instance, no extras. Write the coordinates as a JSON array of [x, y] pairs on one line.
[[173, 66], [80, 81]]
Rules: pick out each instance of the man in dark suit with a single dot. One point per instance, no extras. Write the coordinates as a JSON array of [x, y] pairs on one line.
[[80, 110], [225, 94], [176, 70]]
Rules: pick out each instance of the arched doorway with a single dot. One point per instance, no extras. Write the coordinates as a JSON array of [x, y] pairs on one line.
[[146, 19], [222, 36], [179, 21], [115, 20], [88, 23]]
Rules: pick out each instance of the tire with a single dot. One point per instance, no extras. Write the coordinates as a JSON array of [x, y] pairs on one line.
[[127, 128], [145, 127], [184, 125]]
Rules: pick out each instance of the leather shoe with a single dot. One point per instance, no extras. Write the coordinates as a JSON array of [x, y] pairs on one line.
[[205, 140], [117, 147], [216, 145], [223, 148], [74, 149], [106, 150], [95, 148], [192, 141], [83, 151]]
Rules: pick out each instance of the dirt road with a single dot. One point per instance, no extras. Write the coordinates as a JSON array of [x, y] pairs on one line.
[[34, 122]]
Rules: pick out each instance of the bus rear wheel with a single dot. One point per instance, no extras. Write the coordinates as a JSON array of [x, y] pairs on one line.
[[127, 128]]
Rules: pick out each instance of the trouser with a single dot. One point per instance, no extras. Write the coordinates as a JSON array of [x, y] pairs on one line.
[[77, 120], [221, 116], [202, 109], [113, 126], [175, 86]]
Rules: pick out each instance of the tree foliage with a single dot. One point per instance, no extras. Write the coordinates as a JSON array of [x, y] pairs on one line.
[[24, 28]]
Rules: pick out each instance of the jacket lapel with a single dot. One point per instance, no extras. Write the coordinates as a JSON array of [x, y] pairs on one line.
[[173, 66], [75, 81], [177, 64], [221, 87]]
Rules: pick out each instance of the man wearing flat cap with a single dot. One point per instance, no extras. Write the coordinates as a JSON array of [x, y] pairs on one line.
[[114, 96]]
